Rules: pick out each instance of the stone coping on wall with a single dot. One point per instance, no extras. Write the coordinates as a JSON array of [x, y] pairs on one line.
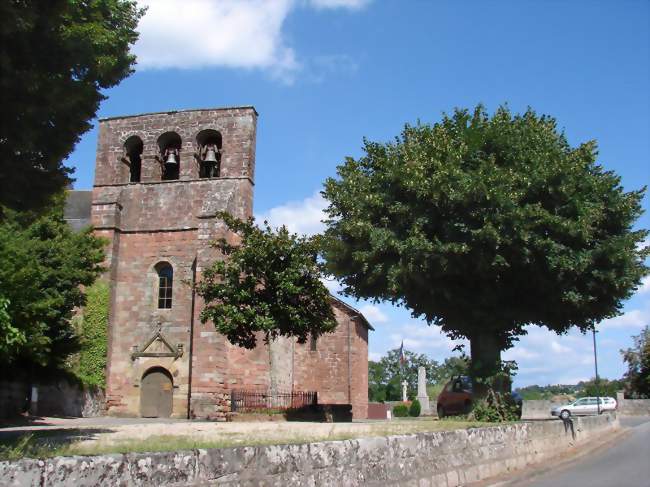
[[444, 458], [171, 112]]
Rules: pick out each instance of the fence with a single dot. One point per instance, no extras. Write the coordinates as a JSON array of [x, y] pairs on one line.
[[253, 401]]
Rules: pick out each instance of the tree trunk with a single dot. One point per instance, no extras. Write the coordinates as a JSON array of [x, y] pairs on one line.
[[485, 352]]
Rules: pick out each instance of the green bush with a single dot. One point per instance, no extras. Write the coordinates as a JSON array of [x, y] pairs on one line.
[[495, 408], [94, 335], [401, 411], [415, 409]]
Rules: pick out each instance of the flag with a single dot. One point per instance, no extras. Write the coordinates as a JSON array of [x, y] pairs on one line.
[[402, 358]]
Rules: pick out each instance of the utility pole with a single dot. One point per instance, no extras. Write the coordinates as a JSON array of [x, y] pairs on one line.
[[593, 330]]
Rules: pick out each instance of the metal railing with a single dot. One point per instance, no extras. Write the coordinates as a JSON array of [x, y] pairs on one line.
[[242, 400]]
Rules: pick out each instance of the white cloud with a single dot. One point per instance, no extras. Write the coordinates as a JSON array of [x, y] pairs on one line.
[[332, 285], [299, 216], [373, 314], [520, 353], [559, 349], [374, 356], [230, 33], [419, 337], [631, 319]]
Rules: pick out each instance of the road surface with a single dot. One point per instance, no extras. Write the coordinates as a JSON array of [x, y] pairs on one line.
[[622, 463]]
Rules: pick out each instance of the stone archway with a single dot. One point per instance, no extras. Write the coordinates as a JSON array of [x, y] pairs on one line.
[[156, 390]]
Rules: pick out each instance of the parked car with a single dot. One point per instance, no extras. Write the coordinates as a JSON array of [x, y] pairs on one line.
[[455, 397], [584, 406]]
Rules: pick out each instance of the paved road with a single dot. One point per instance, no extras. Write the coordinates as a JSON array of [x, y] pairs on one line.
[[625, 463]]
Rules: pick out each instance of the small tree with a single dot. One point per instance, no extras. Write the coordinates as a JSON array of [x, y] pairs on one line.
[[637, 358], [415, 408], [268, 283], [483, 225]]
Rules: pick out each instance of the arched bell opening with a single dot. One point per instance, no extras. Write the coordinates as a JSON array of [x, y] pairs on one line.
[[133, 148], [209, 154], [156, 393], [170, 144]]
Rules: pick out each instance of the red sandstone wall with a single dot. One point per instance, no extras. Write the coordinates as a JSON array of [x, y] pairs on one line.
[[174, 221], [338, 369], [171, 221], [236, 125]]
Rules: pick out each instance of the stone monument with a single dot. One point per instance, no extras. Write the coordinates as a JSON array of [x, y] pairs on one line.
[[422, 397], [404, 397]]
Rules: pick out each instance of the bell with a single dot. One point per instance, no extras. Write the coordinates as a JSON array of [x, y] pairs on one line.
[[210, 155], [171, 158]]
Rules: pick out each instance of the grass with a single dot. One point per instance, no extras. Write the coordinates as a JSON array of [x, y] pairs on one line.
[[43, 444]]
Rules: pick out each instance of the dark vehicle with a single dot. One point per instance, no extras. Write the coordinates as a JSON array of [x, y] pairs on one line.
[[456, 397]]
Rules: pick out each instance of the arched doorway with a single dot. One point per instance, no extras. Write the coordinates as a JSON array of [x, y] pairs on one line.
[[156, 394]]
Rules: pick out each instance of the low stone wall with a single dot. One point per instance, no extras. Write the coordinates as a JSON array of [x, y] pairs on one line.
[[537, 409], [64, 399], [632, 407], [57, 398], [13, 398], [446, 458]]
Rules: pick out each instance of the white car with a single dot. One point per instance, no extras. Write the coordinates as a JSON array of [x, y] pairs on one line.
[[584, 406]]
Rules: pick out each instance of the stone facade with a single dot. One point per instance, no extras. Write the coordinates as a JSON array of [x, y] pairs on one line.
[[153, 222]]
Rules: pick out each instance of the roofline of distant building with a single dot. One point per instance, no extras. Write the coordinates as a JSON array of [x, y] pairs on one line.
[[358, 313]]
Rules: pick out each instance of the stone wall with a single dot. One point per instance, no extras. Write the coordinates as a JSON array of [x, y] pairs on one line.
[[337, 367], [447, 458], [538, 409], [56, 398], [13, 399], [632, 407]]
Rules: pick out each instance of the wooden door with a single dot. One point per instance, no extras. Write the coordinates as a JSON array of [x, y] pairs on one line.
[[156, 394]]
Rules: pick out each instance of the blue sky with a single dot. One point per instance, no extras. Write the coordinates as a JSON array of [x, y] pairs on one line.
[[323, 74]]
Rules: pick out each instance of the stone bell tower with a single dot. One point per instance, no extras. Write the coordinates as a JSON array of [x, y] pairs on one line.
[[160, 179]]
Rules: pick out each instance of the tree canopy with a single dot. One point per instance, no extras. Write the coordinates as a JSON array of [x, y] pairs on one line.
[[485, 224], [44, 266], [55, 58], [268, 282]]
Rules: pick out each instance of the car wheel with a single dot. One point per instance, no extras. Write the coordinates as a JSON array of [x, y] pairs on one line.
[[441, 411], [565, 414]]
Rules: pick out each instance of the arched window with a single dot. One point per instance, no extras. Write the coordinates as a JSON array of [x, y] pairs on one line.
[[170, 155], [133, 148], [165, 285], [209, 144]]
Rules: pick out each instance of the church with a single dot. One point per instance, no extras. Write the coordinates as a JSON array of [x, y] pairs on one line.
[[160, 179]]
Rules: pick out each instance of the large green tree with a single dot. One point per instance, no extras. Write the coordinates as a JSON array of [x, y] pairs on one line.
[[485, 224], [55, 58], [44, 266], [268, 282]]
